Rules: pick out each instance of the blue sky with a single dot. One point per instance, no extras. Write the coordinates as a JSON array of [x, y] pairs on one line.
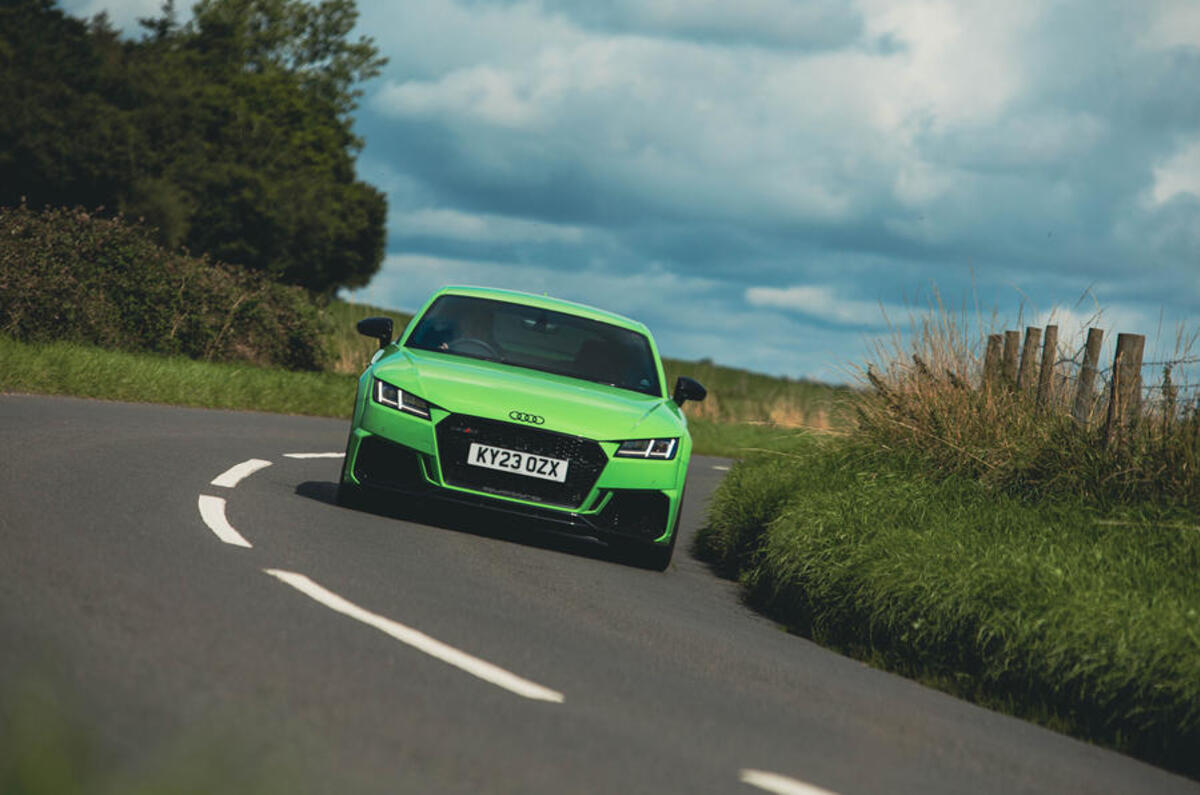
[[762, 182]]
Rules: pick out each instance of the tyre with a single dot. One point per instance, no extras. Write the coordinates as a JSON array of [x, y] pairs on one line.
[[350, 496], [657, 558], [651, 556]]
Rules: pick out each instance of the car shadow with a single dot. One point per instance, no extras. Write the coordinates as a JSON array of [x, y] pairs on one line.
[[454, 517]]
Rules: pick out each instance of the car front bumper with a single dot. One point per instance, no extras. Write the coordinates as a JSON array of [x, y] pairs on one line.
[[391, 453]]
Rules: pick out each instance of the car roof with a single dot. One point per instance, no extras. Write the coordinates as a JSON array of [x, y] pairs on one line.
[[545, 302]]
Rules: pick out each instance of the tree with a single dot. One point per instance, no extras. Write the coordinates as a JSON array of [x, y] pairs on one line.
[[61, 139], [231, 134]]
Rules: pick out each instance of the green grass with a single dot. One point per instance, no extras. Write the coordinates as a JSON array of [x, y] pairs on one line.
[[64, 368], [1088, 623]]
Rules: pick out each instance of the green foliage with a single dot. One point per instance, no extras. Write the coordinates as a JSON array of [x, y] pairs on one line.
[[1088, 622], [67, 276], [64, 137], [230, 135], [749, 498]]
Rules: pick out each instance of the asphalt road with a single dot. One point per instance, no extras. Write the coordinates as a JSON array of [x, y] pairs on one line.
[[173, 656]]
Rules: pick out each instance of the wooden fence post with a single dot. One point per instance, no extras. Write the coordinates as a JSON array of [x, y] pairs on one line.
[[1135, 346], [1046, 375], [1125, 400], [1012, 341], [1027, 373], [1087, 375], [991, 361]]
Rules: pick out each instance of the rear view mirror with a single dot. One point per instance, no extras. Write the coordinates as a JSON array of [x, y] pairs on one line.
[[688, 389], [379, 328]]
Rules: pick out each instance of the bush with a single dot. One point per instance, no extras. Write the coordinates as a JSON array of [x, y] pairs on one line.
[[1048, 610], [65, 275]]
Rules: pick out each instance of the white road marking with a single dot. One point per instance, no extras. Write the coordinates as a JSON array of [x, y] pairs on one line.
[[780, 785], [419, 640], [314, 455], [212, 511], [232, 476], [720, 467]]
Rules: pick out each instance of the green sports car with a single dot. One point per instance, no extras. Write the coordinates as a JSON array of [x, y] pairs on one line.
[[529, 405]]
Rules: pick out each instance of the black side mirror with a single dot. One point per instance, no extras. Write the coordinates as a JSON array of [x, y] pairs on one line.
[[688, 389], [378, 327]]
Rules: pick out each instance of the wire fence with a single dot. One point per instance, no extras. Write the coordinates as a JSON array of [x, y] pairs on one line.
[[1119, 394]]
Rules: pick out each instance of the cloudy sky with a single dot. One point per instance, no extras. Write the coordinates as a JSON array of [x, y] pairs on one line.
[[761, 181]]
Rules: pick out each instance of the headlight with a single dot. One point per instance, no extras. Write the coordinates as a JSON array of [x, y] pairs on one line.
[[387, 395], [663, 449]]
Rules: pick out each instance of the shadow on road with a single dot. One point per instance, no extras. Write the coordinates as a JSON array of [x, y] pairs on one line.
[[497, 525]]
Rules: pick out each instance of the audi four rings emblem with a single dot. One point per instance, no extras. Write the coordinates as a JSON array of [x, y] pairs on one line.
[[521, 416]]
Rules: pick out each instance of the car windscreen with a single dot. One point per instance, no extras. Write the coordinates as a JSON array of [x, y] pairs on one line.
[[538, 339]]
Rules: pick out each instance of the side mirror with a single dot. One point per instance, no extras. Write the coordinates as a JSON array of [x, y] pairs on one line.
[[378, 327], [688, 389]]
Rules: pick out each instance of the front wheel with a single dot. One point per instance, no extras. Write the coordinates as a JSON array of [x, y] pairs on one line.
[[650, 556], [348, 495], [657, 558]]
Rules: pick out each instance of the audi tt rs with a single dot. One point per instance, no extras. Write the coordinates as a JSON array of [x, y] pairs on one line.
[[528, 405]]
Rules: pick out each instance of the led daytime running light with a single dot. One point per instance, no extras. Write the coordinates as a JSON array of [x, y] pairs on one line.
[[660, 449], [386, 394]]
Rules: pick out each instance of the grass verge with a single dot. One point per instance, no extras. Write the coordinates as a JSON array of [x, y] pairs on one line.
[[67, 368], [1085, 622]]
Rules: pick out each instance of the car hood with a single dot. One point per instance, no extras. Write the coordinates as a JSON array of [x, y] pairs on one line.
[[488, 389]]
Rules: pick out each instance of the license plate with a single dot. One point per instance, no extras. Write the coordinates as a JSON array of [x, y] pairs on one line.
[[533, 466]]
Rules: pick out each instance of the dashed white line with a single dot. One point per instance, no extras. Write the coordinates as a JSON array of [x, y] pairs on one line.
[[212, 511], [232, 476], [419, 640], [314, 455], [780, 785], [720, 467]]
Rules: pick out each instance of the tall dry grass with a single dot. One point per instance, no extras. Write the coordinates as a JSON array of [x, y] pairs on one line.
[[924, 395]]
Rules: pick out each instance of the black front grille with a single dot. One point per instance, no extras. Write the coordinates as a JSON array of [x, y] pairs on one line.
[[636, 513], [585, 460], [381, 463]]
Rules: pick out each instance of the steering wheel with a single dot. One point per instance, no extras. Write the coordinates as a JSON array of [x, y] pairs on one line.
[[459, 345]]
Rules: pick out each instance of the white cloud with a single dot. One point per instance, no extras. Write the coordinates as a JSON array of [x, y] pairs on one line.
[[481, 93], [759, 136], [1173, 24], [807, 24], [1180, 173], [456, 225], [823, 303]]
